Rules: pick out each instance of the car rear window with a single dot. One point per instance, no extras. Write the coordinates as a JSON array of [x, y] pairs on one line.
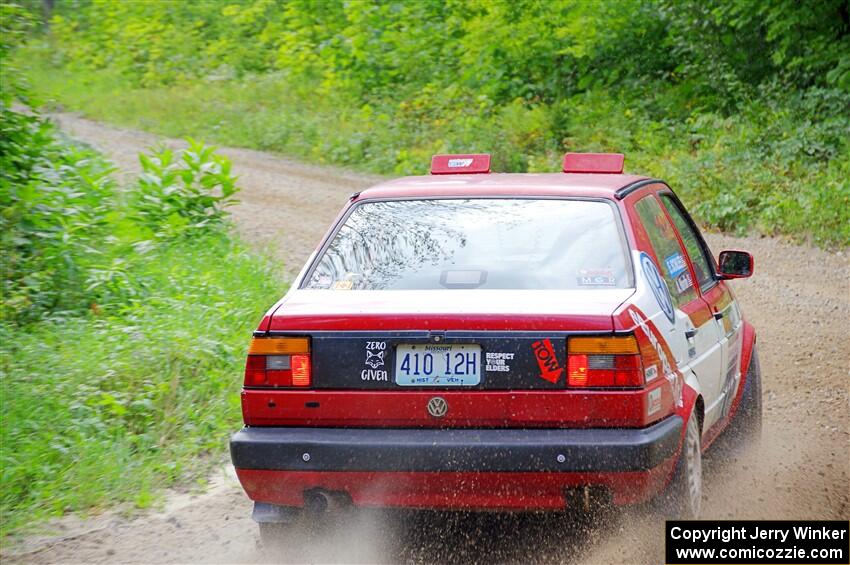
[[475, 243]]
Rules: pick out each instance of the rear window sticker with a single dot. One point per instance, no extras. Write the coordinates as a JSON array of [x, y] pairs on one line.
[[468, 278], [498, 362], [654, 401], [347, 281], [684, 282], [675, 264], [659, 288], [596, 277], [550, 369], [651, 373], [323, 281]]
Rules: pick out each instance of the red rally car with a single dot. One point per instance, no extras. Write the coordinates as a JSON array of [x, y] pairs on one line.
[[468, 340]]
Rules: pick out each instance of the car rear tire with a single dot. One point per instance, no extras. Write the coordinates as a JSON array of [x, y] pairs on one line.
[[683, 499]]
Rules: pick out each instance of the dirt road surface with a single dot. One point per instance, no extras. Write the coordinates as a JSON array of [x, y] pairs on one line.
[[799, 301]]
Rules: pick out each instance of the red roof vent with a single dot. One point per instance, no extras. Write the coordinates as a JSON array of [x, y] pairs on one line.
[[460, 164], [611, 163]]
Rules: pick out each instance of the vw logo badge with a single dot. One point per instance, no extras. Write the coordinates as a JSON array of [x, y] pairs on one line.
[[658, 286], [437, 407]]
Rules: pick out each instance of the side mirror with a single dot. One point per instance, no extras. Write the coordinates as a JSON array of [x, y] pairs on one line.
[[735, 265]]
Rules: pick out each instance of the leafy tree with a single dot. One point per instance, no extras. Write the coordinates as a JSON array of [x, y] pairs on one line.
[[714, 94]]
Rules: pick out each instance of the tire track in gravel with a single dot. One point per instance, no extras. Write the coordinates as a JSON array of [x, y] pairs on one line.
[[799, 301]]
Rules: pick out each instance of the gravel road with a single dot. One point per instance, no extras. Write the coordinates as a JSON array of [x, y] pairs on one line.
[[799, 301]]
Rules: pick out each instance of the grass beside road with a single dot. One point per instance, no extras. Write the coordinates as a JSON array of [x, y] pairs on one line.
[[770, 168], [114, 405], [125, 316]]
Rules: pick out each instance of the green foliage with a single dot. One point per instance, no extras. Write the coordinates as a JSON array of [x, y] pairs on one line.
[[780, 165], [114, 406], [15, 23], [185, 193], [55, 197], [505, 50], [110, 377], [744, 105], [68, 236]]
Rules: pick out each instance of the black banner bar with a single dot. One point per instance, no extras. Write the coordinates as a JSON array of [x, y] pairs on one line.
[[742, 542]]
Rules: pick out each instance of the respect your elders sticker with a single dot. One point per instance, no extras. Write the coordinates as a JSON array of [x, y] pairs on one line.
[[499, 362]]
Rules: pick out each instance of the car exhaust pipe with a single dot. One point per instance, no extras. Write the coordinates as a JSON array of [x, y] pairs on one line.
[[587, 498], [319, 501], [316, 502]]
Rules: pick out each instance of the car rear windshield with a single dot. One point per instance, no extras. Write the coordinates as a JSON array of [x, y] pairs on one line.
[[475, 243]]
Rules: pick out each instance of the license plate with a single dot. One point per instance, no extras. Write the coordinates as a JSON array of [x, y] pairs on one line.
[[438, 365]]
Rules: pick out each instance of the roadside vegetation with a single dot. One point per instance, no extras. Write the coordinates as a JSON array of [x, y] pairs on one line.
[[742, 105], [124, 319]]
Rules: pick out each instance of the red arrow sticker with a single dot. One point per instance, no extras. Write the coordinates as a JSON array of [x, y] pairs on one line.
[[550, 369]]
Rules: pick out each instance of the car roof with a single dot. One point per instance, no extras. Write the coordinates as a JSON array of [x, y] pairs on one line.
[[592, 185]]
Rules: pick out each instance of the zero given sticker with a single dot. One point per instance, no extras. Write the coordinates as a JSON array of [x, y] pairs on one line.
[[659, 288]]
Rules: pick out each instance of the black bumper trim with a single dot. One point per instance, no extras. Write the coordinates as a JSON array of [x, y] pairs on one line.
[[493, 450]]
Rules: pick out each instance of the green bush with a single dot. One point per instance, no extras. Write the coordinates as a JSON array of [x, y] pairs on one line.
[[125, 316], [55, 198], [126, 313], [185, 192], [744, 106], [69, 237], [720, 50], [117, 404]]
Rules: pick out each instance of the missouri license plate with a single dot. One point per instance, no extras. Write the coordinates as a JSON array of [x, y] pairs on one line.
[[438, 365]]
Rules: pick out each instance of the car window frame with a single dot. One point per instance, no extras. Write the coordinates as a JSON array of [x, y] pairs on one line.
[[712, 264], [301, 284], [654, 195]]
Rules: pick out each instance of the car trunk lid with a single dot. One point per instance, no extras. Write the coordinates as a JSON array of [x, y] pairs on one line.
[[376, 340], [510, 310]]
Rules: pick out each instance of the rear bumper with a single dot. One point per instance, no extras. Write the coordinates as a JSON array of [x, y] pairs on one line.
[[454, 468], [459, 450]]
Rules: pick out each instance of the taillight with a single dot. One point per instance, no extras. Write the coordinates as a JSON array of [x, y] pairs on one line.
[[300, 370], [278, 362], [604, 362]]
